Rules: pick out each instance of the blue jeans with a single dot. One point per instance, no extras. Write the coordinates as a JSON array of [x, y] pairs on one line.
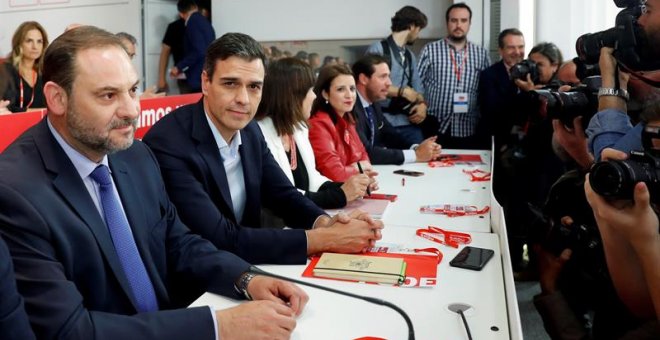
[[412, 134]]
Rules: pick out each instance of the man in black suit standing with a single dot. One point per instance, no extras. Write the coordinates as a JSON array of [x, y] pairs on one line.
[[219, 171], [99, 251], [500, 111], [497, 92], [382, 141], [14, 324]]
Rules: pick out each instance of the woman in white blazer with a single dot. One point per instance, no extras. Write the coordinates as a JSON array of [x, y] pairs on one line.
[[282, 116]]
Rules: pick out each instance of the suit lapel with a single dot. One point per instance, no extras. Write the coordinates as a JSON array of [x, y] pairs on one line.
[[249, 151], [73, 190], [208, 149]]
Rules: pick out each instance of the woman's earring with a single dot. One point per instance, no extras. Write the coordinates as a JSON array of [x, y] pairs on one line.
[[326, 101]]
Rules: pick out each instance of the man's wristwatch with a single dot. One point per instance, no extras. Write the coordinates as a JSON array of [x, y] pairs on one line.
[[608, 91], [242, 284]]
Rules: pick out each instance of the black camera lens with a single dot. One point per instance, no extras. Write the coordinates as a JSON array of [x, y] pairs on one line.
[[609, 179], [522, 69], [588, 45], [617, 179]]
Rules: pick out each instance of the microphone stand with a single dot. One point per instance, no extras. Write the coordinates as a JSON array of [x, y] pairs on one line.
[[411, 333]]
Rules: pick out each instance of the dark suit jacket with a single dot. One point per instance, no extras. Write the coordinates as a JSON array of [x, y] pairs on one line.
[[387, 142], [14, 324], [66, 266], [499, 104], [199, 35], [197, 183]]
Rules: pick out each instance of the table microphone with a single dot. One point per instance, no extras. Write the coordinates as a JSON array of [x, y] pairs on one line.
[[411, 333]]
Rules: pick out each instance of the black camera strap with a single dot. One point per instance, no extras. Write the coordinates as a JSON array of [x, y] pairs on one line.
[[648, 81], [387, 52]]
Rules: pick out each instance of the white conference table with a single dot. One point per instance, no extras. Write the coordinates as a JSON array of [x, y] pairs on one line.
[[333, 316], [441, 185]]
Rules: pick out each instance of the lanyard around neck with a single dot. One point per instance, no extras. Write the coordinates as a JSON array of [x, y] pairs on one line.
[[458, 71], [34, 83]]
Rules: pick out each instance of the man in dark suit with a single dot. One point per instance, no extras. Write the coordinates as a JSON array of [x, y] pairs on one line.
[[14, 324], [500, 111], [382, 141], [99, 251], [199, 35], [497, 93], [219, 171]]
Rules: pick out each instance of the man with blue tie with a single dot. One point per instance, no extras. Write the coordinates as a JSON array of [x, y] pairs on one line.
[[382, 141], [99, 251]]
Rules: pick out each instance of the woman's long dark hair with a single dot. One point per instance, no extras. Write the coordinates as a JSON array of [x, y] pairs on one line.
[[287, 82]]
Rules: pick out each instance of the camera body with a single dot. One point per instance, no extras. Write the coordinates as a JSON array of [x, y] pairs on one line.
[[631, 47], [616, 179], [522, 69], [567, 198]]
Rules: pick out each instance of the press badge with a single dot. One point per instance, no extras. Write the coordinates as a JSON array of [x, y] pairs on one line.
[[461, 102]]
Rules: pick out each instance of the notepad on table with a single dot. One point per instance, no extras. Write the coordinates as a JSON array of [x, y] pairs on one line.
[[361, 268]]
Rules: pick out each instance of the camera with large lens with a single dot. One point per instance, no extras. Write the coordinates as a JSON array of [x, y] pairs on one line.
[[631, 47], [522, 69], [567, 198], [580, 100], [617, 178]]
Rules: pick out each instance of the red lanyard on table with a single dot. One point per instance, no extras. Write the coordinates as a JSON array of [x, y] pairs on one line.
[[34, 82], [459, 70], [385, 250], [478, 175], [449, 238], [451, 210]]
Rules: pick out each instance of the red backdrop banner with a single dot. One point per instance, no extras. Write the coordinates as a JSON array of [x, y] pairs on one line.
[[152, 110]]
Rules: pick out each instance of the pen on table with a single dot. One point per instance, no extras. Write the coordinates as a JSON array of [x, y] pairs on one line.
[[361, 171]]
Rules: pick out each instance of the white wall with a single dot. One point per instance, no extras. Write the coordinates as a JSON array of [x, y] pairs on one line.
[[55, 15], [157, 15], [519, 14], [563, 21], [283, 20]]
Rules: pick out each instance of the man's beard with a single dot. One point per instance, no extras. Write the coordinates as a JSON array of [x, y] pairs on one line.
[[457, 39], [91, 138]]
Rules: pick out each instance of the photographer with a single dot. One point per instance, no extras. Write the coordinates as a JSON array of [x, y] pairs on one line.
[[529, 159], [631, 241], [611, 126]]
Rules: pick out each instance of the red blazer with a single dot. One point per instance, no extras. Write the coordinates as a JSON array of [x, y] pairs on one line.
[[337, 146]]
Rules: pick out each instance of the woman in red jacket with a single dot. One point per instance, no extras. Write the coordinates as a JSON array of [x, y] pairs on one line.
[[337, 146]]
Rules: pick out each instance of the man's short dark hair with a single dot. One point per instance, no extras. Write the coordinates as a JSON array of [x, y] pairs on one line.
[[232, 45], [503, 34], [183, 6], [406, 17], [458, 5], [60, 57], [367, 65]]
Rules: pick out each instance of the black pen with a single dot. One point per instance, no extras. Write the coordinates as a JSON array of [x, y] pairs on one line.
[[361, 171]]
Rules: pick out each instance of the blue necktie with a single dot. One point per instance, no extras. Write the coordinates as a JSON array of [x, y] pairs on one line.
[[370, 120], [124, 243]]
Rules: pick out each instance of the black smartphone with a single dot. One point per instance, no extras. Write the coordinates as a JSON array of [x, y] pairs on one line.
[[408, 173], [473, 258]]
